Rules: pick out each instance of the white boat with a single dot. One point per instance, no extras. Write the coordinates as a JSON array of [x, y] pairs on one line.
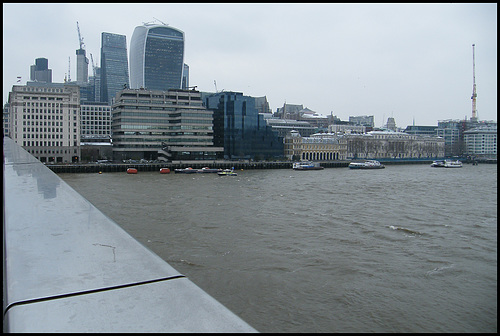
[[306, 165], [438, 164], [368, 164], [452, 164]]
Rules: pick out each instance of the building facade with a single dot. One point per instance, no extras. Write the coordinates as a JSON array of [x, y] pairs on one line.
[[114, 73], [45, 120], [393, 145], [95, 121], [317, 147], [157, 58], [482, 142], [240, 129], [162, 125]]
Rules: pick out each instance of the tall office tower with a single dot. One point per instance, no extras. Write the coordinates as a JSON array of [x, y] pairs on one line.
[[82, 66], [114, 65], [156, 57], [40, 72], [185, 77]]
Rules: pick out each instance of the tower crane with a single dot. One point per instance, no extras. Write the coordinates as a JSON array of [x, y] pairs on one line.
[[80, 38], [474, 94], [93, 67]]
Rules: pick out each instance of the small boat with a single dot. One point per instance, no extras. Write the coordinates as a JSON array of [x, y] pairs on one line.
[[368, 164], [131, 170], [209, 170], [227, 172], [452, 164], [187, 170], [306, 165], [438, 164], [164, 171]]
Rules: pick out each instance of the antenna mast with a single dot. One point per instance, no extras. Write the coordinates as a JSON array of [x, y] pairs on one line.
[[474, 94]]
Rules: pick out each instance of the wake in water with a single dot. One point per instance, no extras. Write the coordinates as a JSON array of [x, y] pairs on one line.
[[413, 232]]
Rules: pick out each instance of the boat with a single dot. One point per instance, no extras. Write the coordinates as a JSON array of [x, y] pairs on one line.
[[367, 164], [164, 170], [452, 164], [446, 164], [209, 170], [306, 165], [187, 170], [227, 172], [438, 164], [131, 170]]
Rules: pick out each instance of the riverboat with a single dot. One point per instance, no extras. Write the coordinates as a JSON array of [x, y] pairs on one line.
[[306, 165], [164, 170], [368, 164], [452, 164], [227, 172], [437, 164]]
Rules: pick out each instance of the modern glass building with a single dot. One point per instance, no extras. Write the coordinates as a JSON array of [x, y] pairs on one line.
[[114, 65], [162, 125], [240, 129], [156, 57]]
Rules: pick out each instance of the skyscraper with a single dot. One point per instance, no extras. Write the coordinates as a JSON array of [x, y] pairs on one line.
[[40, 71], [156, 57], [114, 65], [82, 66]]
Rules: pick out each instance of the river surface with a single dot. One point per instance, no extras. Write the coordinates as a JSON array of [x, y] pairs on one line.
[[408, 248]]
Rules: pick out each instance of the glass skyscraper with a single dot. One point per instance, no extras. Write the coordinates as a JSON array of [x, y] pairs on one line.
[[114, 65], [156, 57]]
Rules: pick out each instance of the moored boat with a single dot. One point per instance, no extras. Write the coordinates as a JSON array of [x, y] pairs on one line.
[[306, 165], [209, 170], [187, 170], [367, 164], [164, 170], [227, 172]]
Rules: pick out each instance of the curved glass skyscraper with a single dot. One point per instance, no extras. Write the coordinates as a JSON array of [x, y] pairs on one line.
[[156, 57]]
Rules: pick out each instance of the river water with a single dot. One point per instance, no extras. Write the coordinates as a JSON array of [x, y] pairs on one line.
[[408, 248]]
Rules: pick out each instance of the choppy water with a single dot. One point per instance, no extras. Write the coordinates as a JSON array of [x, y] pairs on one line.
[[405, 249]]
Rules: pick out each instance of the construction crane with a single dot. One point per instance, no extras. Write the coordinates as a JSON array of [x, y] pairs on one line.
[[93, 67], [80, 38], [215, 83], [69, 69], [474, 94]]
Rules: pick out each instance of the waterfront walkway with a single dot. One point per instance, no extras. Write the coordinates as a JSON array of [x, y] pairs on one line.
[[223, 164]]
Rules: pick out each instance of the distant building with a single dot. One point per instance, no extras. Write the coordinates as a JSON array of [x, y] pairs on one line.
[[185, 77], [114, 75], [40, 72], [452, 131], [6, 120], [285, 126], [44, 120], [346, 129], [240, 129], [82, 67], [317, 147], [367, 121], [393, 145], [162, 125], [482, 142], [421, 130], [391, 124], [157, 58]]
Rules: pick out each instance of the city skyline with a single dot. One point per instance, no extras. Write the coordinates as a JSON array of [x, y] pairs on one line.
[[412, 62]]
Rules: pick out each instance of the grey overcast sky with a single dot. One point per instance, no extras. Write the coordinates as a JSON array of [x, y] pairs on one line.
[[412, 62]]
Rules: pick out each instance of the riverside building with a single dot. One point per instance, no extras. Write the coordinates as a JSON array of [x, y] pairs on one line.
[[162, 125], [317, 147], [45, 120]]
